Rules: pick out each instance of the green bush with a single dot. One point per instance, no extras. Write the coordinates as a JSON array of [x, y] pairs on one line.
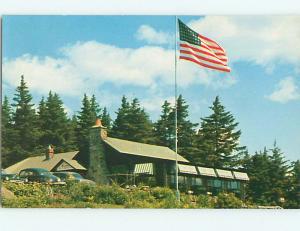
[[82, 192], [24, 202], [228, 200], [205, 201], [163, 193], [141, 195], [104, 196], [110, 195]]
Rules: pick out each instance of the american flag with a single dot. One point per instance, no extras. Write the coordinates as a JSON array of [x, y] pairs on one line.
[[201, 50]]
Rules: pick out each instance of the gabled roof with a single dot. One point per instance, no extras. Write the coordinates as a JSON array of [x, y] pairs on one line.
[[141, 149], [41, 162]]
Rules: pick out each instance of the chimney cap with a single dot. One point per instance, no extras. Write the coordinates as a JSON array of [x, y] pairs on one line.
[[98, 123]]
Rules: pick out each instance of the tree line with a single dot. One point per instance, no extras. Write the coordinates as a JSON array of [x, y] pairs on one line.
[[213, 142]]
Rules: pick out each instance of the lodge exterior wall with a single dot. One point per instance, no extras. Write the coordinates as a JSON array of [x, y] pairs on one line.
[[98, 169]]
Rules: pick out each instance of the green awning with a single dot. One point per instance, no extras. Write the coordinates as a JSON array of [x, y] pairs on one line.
[[240, 175], [224, 173], [146, 168], [207, 171], [188, 169]]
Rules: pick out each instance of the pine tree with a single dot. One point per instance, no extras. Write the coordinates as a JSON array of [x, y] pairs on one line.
[[121, 124], [95, 108], [185, 130], [85, 120], [7, 134], [42, 114], [132, 123], [24, 118], [54, 124], [218, 139], [106, 120], [277, 172], [258, 167], [293, 195], [164, 127]]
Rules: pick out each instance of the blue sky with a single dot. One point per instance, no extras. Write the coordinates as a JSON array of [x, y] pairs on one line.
[[110, 56]]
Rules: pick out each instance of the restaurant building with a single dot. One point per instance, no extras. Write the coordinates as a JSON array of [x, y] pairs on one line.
[[113, 160]]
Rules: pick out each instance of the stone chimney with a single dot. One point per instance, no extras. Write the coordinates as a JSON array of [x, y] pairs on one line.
[[103, 130], [97, 167], [50, 152]]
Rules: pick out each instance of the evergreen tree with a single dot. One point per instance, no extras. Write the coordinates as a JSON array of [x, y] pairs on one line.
[[293, 194], [95, 108], [42, 114], [121, 124], [55, 125], [278, 171], [185, 130], [7, 134], [132, 123], [85, 120], [25, 124], [218, 139], [106, 120], [164, 127], [258, 167]]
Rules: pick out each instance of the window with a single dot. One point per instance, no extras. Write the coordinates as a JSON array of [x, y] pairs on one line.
[[233, 185], [210, 183], [181, 179], [217, 183], [196, 181]]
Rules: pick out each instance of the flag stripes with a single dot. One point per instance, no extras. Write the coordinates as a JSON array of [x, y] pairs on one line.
[[206, 53]]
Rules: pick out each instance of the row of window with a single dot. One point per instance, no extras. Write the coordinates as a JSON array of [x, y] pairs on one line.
[[214, 183]]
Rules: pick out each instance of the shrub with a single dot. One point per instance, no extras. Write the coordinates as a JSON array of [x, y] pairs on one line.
[[24, 202], [82, 192], [110, 195], [205, 201], [163, 193], [141, 195], [228, 200]]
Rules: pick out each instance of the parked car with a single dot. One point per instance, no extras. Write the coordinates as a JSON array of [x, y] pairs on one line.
[[72, 176], [6, 176], [40, 175]]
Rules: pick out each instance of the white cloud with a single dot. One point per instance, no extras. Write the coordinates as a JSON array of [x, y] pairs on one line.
[[285, 91], [261, 39], [84, 67], [42, 74], [152, 36]]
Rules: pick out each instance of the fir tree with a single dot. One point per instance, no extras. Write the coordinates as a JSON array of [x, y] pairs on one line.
[[218, 139], [55, 125], [258, 167], [121, 124], [185, 130], [42, 114], [132, 123], [7, 134], [293, 194], [95, 108], [277, 172], [24, 118], [106, 120], [85, 120], [164, 131]]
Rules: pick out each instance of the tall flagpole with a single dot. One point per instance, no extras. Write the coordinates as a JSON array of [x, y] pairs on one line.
[[176, 138]]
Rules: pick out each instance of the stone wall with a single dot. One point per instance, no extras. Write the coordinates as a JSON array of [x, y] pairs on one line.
[[98, 169]]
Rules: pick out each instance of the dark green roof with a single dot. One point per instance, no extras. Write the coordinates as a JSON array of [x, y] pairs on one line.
[[141, 149]]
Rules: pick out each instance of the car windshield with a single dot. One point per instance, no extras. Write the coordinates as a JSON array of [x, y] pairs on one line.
[[60, 175], [77, 175], [43, 172]]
